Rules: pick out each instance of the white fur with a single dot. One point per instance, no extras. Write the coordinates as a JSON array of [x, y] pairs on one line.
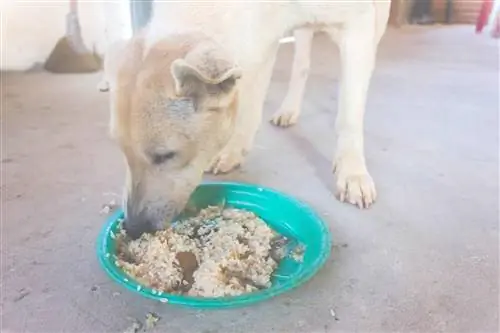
[[110, 63], [251, 31], [289, 110]]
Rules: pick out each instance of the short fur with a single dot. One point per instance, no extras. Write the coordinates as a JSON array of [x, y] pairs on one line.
[[187, 94]]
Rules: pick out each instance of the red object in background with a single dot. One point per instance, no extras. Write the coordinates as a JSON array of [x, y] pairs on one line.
[[484, 14]]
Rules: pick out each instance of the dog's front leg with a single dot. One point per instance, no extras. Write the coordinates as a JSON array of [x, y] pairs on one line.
[[357, 43], [253, 89]]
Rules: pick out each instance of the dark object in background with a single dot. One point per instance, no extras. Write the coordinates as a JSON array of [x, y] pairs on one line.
[[70, 54], [449, 12], [141, 12], [66, 59], [421, 12]]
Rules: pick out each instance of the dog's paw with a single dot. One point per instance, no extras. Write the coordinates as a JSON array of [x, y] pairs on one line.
[[285, 117], [354, 183], [227, 160]]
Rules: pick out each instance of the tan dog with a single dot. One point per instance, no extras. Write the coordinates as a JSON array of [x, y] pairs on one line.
[[183, 102]]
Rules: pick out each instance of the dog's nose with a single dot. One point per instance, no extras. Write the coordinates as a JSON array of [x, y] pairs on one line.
[[148, 218], [136, 227], [137, 223]]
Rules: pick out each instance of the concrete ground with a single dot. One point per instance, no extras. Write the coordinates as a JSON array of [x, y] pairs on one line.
[[423, 259]]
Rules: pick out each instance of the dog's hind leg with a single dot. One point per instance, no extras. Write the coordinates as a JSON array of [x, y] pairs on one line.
[[253, 90], [290, 108], [357, 41]]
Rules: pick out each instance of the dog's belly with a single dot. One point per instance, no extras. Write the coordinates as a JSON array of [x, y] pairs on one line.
[[332, 13]]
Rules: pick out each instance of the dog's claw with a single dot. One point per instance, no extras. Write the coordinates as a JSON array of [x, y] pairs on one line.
[[284, 118], [341, 196]]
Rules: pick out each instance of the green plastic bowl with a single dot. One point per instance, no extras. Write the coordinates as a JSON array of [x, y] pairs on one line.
[[288, 216]]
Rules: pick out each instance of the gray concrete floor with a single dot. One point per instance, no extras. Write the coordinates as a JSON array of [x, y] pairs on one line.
[[423, 259]]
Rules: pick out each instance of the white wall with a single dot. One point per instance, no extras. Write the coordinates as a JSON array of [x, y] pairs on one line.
[[31, 29]]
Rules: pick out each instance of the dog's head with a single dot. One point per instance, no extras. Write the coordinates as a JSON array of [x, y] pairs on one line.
[[172, 110]]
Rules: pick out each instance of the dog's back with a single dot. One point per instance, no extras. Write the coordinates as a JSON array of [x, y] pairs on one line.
[[242, 26]]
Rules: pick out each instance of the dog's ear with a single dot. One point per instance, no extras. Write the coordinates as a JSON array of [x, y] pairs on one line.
[[206, 74]]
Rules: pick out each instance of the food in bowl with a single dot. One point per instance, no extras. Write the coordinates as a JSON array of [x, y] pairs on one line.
[[219, 252]]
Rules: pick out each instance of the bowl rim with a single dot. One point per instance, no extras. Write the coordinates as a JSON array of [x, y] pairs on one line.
[[217, 302]]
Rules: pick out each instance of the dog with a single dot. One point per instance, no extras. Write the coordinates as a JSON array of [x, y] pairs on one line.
[[187, 94]]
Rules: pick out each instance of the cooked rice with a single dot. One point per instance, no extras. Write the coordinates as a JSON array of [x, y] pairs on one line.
[[219, 252]]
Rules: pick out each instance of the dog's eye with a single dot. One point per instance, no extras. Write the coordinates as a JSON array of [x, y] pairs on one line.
[[162, 158]]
